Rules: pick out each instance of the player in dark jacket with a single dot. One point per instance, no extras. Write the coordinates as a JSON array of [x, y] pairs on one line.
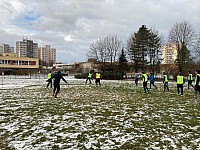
[[57, 78], [197, 86]]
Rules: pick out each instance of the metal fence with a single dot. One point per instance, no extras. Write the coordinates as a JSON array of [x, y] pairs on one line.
[[31, 76]]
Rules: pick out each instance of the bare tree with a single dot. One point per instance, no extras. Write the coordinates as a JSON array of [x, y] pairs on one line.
[[182, 34], [105, 49], [98, 51]]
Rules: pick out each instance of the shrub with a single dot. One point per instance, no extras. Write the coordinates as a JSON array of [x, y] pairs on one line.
[[80, 76], [112, 75]]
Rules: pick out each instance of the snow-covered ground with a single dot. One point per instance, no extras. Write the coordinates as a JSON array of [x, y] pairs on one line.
[[116, 115]]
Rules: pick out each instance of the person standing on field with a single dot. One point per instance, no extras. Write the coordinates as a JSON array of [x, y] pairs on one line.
[[136, 79], [197, 86], [56, 88], [165, 81], [180, 81], [152, 80], [145, 80], [49, 75], [190, 79], [89, 77], [98, 78]]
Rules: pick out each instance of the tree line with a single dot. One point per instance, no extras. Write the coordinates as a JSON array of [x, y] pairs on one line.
[[144, 48]]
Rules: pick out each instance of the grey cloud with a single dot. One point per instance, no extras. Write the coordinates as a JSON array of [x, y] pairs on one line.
[[84, 21]]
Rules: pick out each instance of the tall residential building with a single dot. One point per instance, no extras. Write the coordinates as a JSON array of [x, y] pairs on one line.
[[169, 53], [47, 55], [5, 48], [27, 48]]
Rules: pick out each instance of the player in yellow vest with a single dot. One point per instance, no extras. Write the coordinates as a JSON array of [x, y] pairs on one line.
[[89, 77], [145, 80], [180, 81], [98, 78], [190, 79], [165, 81], [197, 86], [49, 80]]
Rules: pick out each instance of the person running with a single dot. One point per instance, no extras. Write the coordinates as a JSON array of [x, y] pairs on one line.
[[145, 80], [98, 78], [197, 86], [89, 77], [49, 75], [56, 88], [165, 81], [190, 79], [152, 80], [180, 81]]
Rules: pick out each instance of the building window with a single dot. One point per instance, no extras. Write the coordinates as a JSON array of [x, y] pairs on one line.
[[33, 63]]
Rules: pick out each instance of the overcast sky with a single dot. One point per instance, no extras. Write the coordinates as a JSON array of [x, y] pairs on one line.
[[71, 26]]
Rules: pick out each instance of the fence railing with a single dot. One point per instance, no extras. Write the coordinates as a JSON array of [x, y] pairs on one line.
[[31, 76]]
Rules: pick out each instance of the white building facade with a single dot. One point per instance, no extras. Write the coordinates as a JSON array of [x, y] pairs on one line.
[[169, 53], [47, 54]]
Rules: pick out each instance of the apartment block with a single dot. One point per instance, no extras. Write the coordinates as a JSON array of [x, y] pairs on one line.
[[169, 53], [47, 55], [5, 48], [26, 48]]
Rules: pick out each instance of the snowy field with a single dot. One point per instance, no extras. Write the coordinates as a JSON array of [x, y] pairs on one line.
[[116, 115]]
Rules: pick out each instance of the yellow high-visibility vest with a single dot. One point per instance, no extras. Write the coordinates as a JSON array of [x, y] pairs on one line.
[[179, 79], [98, 75], [166, 79], [90, 75], [49, 75], [190, 77], [145, 77]]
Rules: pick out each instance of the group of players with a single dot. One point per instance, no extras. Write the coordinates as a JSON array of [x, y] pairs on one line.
[[58, 76], [180, 80]]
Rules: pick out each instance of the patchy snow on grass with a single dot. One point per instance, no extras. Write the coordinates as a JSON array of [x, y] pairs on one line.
[[116, 115]]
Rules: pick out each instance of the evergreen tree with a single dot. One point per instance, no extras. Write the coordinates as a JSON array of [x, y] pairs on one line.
[[183, 57], [123, 66], [154, 49], [143, 47]]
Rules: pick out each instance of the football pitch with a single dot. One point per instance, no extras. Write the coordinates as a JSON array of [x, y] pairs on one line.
[[117, 115]]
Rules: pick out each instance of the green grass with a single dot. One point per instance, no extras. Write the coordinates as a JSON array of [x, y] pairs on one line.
[[114, 116]]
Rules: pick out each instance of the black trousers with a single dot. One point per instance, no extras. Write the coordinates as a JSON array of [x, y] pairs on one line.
[[180, 87], [49, 83], [56, 89], [190, 83], [166, 86], [87, 80], [136, 82], [146, 90], [152, 83], [97, 81]]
